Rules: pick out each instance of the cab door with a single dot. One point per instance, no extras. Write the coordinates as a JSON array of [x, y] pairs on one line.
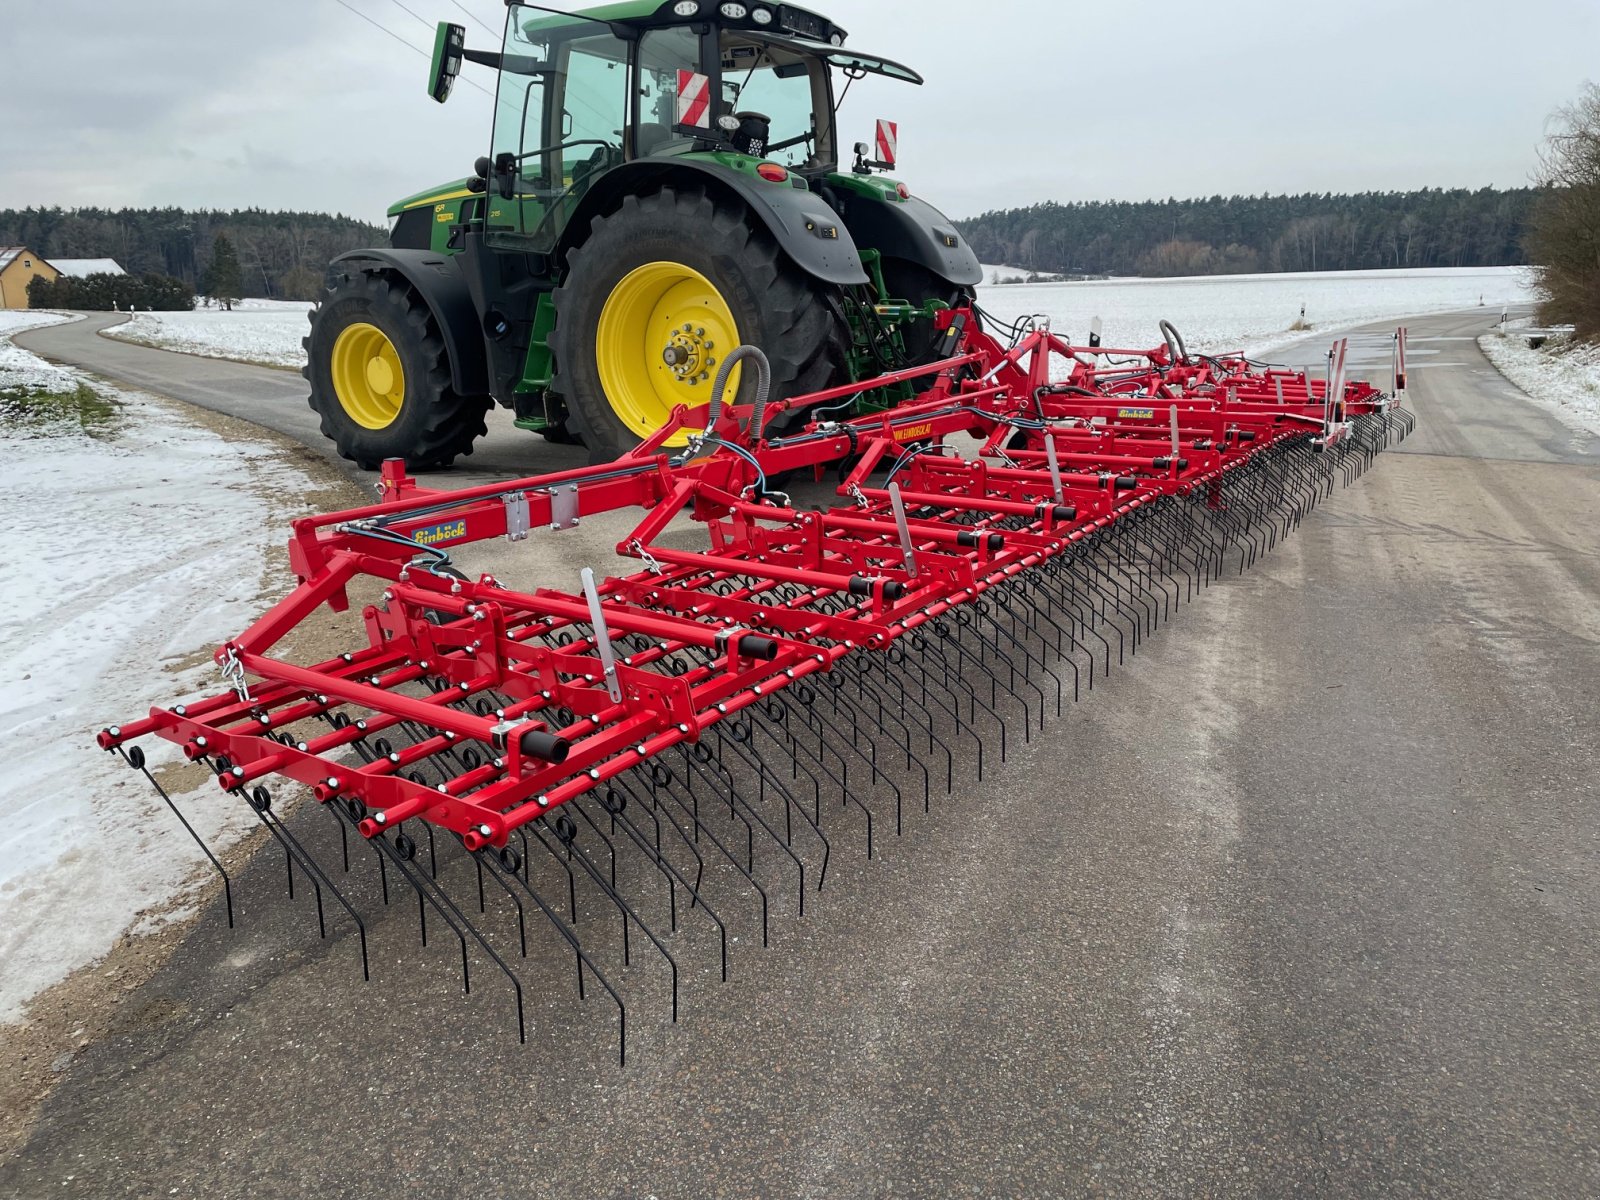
[[561, 107]]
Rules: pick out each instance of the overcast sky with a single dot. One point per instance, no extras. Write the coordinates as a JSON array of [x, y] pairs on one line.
[[303, 104]]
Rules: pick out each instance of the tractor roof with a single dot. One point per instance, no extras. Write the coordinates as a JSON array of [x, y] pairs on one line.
[[797, 30], [630, 10], [786, 18]]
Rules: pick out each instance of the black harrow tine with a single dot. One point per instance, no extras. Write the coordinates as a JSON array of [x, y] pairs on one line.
[[627, 910], [561, 927], [665, 865], [847, 796], [260, 801], [700, 827], [775, 714], [729, 739], [446, 908], [134, 757], [512, 859], [616, 799]]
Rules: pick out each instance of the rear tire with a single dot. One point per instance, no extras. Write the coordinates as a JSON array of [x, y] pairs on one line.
[[414, 414], [771, 302]]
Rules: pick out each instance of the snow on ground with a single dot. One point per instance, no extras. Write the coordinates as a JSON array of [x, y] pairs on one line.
[[1563, 376], [1250, 312], [128, 551], [18, 368], [260, 331], [993, 272]]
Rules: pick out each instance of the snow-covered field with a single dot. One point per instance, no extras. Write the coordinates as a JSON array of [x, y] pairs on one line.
[[259, 331], [131, 550], [1222, 312], [1563, 376], [1250, 312]]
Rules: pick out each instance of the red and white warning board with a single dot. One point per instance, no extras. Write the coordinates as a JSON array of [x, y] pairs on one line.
[[694, 99], [888, 142]]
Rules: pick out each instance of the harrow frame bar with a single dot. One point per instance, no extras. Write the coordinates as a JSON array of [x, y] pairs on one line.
[[1100, 444]]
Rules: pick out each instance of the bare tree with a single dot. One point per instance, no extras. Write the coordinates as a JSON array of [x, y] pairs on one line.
[[1564, 235]]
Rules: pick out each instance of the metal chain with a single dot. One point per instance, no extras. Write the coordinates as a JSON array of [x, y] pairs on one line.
[[233, 675]]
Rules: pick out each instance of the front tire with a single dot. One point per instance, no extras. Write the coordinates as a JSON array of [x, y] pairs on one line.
[[380, 377], [655, 296]]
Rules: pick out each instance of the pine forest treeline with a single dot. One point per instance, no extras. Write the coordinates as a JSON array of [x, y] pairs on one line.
[[281, 254], [1234, 234]]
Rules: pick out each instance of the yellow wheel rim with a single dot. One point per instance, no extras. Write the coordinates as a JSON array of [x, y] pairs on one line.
[[661, 339], [367, 376]]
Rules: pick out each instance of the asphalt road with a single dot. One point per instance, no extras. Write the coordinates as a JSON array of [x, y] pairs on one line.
[[272, 398], [1303, 901]]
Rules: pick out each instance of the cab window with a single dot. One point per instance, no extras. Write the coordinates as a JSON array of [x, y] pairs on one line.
[[662, 54], [788, 89]]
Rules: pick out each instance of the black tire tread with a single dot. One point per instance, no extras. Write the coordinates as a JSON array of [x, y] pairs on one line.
[[450, 423]]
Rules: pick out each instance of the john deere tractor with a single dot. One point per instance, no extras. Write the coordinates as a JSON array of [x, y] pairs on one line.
[[664, 184]]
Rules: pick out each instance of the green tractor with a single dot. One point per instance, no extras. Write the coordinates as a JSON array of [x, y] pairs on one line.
[[664, 184]]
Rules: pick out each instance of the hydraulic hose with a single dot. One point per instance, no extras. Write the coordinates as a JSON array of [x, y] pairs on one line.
[[763, 386], [1180, 352]]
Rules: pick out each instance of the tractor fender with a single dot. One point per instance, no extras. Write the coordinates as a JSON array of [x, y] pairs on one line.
[[801, 222], [914, 230], [438, 279]]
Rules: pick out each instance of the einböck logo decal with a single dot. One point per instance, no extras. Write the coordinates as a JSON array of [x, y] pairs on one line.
[[449, 531], [1136, 413]]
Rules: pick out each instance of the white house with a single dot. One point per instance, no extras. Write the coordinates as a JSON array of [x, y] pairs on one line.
[[78, 268]]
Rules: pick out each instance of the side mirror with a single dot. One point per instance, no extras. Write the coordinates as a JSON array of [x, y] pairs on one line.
[[448, 46], [505, 174]]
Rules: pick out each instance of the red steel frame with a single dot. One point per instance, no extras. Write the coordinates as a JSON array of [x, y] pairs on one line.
[[1069, 439]]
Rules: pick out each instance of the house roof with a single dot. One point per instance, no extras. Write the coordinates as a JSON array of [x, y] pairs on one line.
[[77, 268], [7, 253]]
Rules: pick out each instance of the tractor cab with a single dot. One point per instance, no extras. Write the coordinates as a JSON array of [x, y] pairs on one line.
[[579, 95]]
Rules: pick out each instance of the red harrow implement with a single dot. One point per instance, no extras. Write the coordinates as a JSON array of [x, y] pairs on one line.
[[704, 729]]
